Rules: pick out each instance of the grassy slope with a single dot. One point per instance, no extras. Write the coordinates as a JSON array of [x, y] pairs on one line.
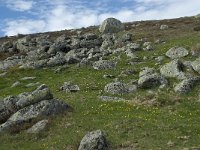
[[125, 123]]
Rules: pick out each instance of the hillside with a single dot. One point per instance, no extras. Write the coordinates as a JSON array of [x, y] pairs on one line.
[[133, 86]]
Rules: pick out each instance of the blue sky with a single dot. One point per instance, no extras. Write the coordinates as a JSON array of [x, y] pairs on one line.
[[31, 16]]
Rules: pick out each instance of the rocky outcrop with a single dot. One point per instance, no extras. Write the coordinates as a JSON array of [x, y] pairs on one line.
[[173, 69], [111, 25], [148, 78], [177, 52], [94, 140], [119, 88], [186, 85], [28, 107]]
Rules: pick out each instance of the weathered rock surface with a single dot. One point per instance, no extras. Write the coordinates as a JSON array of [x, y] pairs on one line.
[[119, 88], [177, 52], [104, 65], [148, 78], [111, 25], [164, 27], [95, 140], [15, 111], [186, 85], [69, 87], [196, 65], [173, 69], [38, 127]]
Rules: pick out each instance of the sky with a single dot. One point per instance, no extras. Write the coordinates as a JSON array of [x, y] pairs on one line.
[[33, 16]]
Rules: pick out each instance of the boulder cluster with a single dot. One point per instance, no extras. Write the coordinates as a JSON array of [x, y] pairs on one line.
[[22, 111]]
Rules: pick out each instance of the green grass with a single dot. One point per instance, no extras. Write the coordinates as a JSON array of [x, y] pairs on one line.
[[146, 127]]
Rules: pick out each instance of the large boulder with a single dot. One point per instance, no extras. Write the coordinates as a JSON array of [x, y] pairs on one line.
[[104, 65], [186, 85], [119, 88], [95, 140], [177, 52], [148, 78], [173, 69], [111, 25], [196, 65]]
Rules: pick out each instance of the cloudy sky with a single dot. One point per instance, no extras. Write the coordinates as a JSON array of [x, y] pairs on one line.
[[31, 16]]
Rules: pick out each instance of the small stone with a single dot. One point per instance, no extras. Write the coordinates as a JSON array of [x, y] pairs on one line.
[[94, 140], [104, 65], [16, 84], [38, 127], [164, 27], [70, 87], [27, 78]]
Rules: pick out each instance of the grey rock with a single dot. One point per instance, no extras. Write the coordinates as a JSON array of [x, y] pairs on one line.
[[9, 63], [104, 65], [111, 25], [32, 84], [196, 65], [94, 140], [148, 78], [133, 46], [186, 85], [3, 74], [159, 58], [38, 127], [177, 52], [27, 78], [6, 46], [69, 87], [164, 27], [90, 43], [23, 45], [12, 104], [33, 112], [173, 69], [110, 98], [15, 84], [58, 59], [119, 88], [90, 36]]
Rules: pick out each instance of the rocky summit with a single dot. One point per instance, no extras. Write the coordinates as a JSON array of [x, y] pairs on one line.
[[116, 86]]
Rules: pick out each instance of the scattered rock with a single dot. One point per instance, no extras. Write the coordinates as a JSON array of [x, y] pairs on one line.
[[95, 140], [109, 98], [15, 84], [173, 69], [32, 84], [177, 52], [70, 87], [38, 127], [3, 74], [111, 25], [164, 27], [148, 78], [108, 76], [119, 88], [27, 78], [196, 65], [104, 65], [186, 85]]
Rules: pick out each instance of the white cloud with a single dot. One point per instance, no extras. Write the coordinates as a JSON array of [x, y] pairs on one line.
[[20, 5], [14, 27], [61, 14]]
